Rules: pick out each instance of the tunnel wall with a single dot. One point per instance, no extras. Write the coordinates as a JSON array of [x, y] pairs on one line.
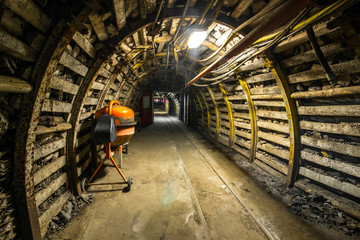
[[49, 128], [281, 113], [57, 75]]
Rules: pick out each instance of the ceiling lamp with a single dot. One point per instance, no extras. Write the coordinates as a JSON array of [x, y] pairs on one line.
[[196, 38]]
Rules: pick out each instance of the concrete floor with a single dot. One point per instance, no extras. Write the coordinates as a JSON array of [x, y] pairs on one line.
[[183, 188]]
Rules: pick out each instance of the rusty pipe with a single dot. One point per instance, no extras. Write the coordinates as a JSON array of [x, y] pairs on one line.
[[289, 10]]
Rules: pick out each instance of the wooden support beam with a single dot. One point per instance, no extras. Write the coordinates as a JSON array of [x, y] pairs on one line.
[[338, 147], [82, 153], [274, 126], [274, 150], [82, 168], [119, 8], [340, 69], [70, 62], [105, 93], [123, 46], [230, 114], [29, 11], [331, 182], [13, 46], [241, 7], [98, 86], [272, 114], [48, 148], [260, 78], [84, 44], [45, 193], [104, 72], [280, 140], [45, 171], [266, 97], [348, 129], [265, 90], [216, 112], [56, 106], [63, 85], [338, 165], [91, 101], [81, 140], [333, 111], [293, 121], [252, 112], [58, 128], [14, 85], [143, 9], [54, 209], [99, 26], [272, 162], [334, 92], [309, 56]]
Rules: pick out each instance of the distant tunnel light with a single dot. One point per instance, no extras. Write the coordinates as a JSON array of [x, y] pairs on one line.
[[196, 38]]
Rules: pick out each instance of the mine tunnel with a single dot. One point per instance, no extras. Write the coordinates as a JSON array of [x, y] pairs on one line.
[[246, 118]]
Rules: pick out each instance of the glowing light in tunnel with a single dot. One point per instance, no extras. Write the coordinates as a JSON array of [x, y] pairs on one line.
[[196, 38]]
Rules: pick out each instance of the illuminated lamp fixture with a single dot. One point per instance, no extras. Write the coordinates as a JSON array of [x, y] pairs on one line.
[[196, 38]]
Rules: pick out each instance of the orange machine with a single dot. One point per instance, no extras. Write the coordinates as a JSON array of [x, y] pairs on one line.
[[114, 126]]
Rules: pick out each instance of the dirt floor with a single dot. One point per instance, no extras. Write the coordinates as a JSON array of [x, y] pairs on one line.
[[184, 188]]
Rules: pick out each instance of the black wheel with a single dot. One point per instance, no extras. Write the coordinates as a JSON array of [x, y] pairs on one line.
[[84, 185], [128, 187]]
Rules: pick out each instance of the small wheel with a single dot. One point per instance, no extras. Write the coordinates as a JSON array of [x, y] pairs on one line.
[[128, 187], [130, 182], [84, 185]]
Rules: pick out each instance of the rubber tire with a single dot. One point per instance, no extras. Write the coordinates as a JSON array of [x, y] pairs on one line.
[[84, 185], [128, 187]]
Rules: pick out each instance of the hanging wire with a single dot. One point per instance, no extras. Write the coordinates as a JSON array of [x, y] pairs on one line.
[[291, 31], [262, 14], [277, 38]]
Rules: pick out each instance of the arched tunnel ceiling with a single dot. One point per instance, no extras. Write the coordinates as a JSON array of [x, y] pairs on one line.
[[73, 57], [155, 56], [156, 62]]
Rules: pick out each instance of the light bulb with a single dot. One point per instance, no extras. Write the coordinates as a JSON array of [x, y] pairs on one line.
[[196, 38]]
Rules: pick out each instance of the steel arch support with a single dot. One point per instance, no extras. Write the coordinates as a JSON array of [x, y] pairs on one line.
[[230, 114], [292, 115], [252, 112], [207, 109], [202, 110], [216, 112]]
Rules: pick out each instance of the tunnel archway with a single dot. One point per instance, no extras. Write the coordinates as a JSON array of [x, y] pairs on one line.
[[281, 110]]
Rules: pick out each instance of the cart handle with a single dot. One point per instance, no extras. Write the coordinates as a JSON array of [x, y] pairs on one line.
[[113, 102]]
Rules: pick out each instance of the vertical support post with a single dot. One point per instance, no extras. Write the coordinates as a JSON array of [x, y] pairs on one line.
[[216, 112], [230, 114], [202, 111], [74, 120], [253, 123], [207, 109], [292, 115]]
